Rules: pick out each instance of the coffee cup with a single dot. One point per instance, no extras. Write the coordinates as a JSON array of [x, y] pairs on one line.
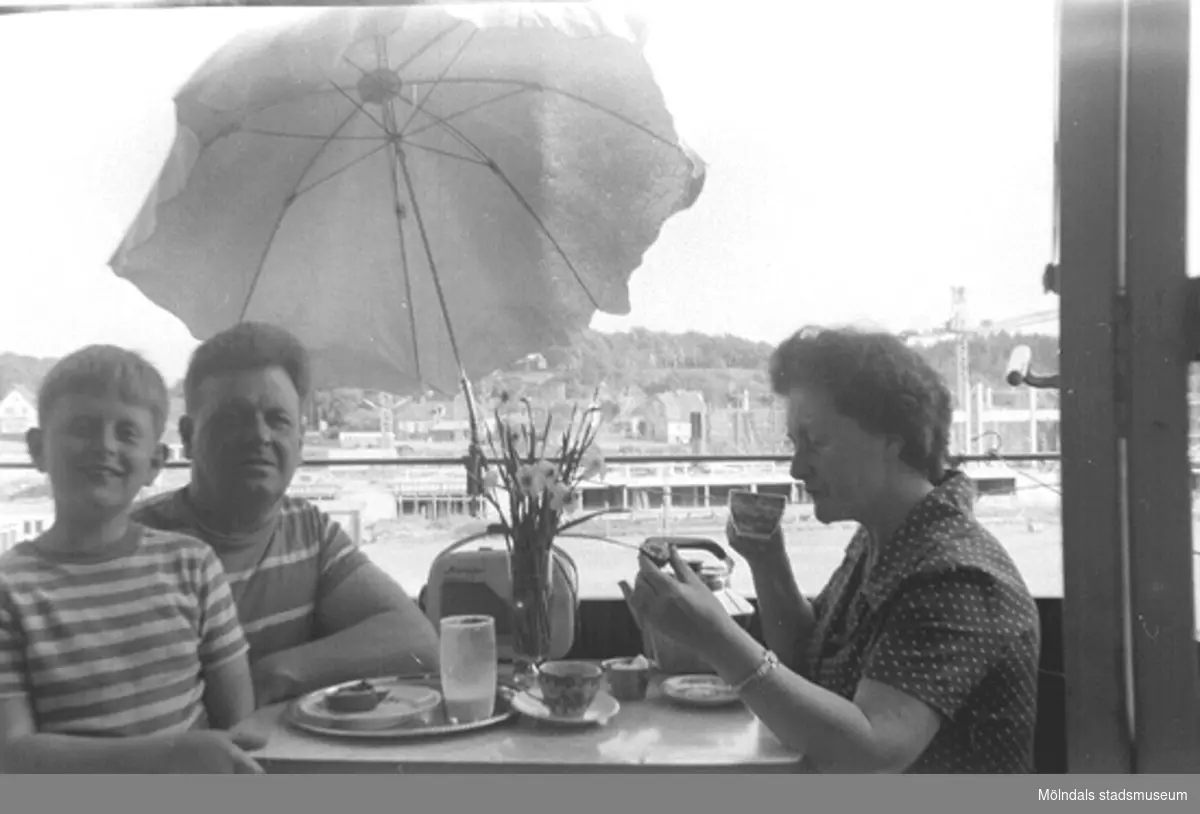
[[569, 687]]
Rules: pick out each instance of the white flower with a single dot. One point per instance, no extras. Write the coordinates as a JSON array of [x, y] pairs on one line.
[[548, 471], [491, 479], [530, 481], [560, 496], [592, 464]]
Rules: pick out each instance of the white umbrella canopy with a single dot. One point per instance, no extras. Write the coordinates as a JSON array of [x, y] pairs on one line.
[[417, 192]]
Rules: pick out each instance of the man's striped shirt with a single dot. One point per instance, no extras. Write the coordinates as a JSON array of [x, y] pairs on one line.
[[279, 574], [118, 644]]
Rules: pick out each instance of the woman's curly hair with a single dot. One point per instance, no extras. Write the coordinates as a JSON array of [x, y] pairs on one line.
[[877, 380]]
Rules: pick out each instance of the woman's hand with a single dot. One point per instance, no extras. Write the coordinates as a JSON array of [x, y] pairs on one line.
[[756, 551], [680, 606]]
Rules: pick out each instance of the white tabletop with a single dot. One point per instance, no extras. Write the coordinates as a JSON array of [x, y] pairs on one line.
[[651, 735]]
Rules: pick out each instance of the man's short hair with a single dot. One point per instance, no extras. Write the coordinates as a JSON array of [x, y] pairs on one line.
[[248, 346]]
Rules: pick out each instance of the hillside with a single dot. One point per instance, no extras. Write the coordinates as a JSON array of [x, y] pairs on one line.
[[720, 367], [723, 366], [27, 371]]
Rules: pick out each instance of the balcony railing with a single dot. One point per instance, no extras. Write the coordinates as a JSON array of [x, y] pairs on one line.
[[618, 460]]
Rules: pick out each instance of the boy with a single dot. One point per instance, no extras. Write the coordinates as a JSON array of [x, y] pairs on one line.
[[120, 647]]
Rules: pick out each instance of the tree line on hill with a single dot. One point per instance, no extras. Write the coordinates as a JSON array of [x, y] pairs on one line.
[[723, 368]]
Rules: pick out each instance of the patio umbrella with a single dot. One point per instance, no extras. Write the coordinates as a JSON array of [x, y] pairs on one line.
[[417, 192]]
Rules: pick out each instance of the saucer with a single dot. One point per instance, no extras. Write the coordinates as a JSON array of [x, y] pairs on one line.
[[530, 703], [699, 691]]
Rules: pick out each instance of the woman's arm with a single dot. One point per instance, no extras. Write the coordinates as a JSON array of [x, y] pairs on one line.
[[881, 730], [788, 619], [944, 633]]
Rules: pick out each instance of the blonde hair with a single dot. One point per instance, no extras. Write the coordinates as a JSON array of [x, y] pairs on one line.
[[102, 370]]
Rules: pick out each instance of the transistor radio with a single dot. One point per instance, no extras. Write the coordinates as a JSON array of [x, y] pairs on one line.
[[476, 581]]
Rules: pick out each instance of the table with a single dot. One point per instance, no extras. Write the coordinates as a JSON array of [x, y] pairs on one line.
[[653, 735]]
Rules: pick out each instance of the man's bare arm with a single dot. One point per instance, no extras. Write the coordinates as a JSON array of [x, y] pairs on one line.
[[369, 626]]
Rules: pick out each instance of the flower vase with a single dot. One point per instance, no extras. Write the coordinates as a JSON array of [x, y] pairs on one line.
[[529, 567]]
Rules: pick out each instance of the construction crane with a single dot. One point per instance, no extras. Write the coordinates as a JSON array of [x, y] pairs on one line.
[[959, 329], [962, 359], [386, 407]]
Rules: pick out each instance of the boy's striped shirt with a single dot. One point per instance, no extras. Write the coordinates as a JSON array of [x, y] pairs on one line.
[[279, 580], [116, 645]]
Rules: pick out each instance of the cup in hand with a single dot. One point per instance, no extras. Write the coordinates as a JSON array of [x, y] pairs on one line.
[[754, 515], [569, 687], [468, 656]]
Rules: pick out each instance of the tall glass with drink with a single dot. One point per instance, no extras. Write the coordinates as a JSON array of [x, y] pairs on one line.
[[468, 655]]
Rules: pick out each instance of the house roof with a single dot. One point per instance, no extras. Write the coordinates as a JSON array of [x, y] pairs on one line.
[[415, 411], [24, 392], [678, 405]]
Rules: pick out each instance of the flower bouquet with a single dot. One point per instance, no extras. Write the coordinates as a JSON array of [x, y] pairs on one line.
[[539, 475]]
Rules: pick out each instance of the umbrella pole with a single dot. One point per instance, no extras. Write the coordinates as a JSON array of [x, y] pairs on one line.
[[475, 459]]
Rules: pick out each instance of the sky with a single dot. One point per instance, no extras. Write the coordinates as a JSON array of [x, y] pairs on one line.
[[863, 158]]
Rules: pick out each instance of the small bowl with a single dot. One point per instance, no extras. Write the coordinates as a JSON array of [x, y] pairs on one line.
[[628, 678], [360, 697], [569, 687]]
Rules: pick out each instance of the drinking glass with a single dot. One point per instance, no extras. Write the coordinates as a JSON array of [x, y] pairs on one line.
[[468, 655]]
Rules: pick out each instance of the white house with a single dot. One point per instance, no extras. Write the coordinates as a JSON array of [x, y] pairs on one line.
[[669, 416], [18, 411]]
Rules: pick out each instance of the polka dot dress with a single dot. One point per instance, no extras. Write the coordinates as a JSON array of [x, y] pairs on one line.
[[945, 617]]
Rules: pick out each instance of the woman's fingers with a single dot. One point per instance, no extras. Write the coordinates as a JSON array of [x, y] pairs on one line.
[[683, 571], [653, 576]]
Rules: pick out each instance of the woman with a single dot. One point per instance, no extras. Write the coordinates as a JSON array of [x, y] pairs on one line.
[[920, 655]]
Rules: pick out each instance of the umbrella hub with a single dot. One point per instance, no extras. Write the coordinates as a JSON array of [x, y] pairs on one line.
[[379, 86]]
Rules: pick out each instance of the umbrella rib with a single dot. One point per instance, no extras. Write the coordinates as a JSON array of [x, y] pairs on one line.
[[312, 136], [548, 89], [445, 69], [446, 153], [412, 311], [459, 113], [491, 164], [361, 108], [287, 202], [499, 173], [256, 109], [441, 35], [437, 282], [363, 71], [302, 190]]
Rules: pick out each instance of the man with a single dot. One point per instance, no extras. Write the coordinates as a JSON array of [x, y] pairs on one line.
[[316, 611]]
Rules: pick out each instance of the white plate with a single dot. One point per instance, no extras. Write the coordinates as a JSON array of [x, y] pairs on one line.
[[404, 704], [530, 703], [699, 691]]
